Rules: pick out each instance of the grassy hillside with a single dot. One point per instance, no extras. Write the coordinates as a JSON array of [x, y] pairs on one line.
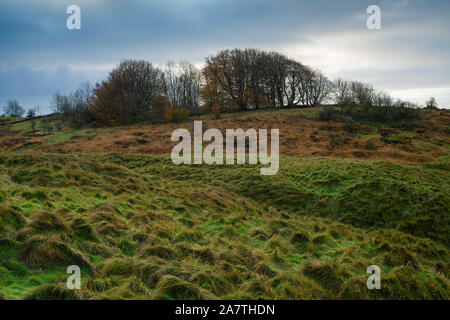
[[300, 135], [141, 227]]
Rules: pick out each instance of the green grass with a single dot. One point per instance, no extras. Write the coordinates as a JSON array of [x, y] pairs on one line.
[[4, 119], [26, 127], [68, 134], [141, 227]]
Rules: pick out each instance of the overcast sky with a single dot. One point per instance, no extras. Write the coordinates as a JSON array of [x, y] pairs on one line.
[[409, 57]]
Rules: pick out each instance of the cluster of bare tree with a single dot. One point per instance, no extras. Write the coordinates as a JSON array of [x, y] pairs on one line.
[[348, 93], [181, 85], [255, 79], [356, 93], [13, 109], [361, 100], [74, 108], [431, 103], [138, 91]]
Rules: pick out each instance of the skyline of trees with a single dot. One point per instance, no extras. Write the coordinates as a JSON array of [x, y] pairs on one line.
[[254, 79], [231, 80], [13, 108]]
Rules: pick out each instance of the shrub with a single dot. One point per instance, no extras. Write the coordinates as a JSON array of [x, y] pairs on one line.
[[386, 131], [175, 114], [351, 127], [399, 114], [216, 111], [328, 113]]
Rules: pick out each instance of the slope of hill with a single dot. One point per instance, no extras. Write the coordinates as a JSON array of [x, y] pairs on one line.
[[141, 227], [300, 135]]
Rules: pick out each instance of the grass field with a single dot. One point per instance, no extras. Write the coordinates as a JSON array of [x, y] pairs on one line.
[[142, 228], [300, 135]]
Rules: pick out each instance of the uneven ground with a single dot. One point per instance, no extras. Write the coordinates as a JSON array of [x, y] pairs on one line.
[[141, 227], [300, 135]]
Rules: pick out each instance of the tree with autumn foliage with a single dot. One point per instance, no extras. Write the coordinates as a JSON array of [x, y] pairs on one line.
[[254, 79], [128, 94]]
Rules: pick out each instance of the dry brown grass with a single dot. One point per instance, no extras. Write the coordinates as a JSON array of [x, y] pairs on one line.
[[299, 136]]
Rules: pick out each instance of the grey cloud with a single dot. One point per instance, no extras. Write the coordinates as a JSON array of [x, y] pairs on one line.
[[36, 43]]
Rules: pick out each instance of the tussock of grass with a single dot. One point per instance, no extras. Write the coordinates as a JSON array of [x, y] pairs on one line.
[[41, 252], [10, 220], [82, 228], [327, 273], [171, 287], [52, 292], [163, 252], [212, 281]]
